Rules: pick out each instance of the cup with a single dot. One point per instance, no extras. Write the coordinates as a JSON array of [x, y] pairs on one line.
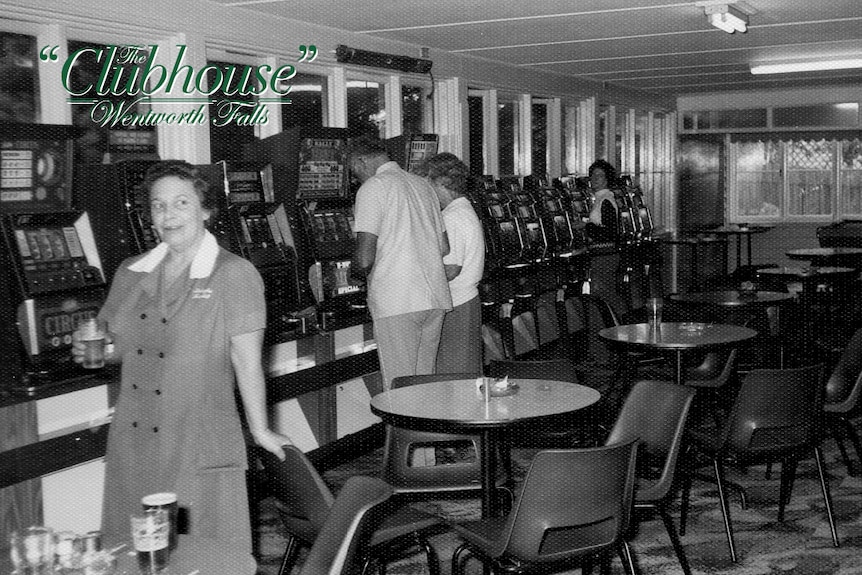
[[32, 551], [150, 537], [93, 332], [653, 309], [167, 502]]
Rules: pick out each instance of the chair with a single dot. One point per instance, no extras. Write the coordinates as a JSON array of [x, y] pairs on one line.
[[304, 504], [776, 417], [574, 504], [655, 413], [843, 389], [464, 474], [569, 432], [334, 551]]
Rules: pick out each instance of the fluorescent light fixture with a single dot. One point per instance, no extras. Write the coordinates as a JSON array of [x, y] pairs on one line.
[[726, 17], [809, 66]]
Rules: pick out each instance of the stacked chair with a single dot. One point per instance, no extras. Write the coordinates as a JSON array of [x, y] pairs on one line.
[[843, 389]]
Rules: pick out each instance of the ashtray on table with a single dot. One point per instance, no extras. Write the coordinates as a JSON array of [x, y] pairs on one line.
[[692, 327], [498, 387]]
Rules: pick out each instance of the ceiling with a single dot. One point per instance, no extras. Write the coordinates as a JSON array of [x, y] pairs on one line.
[[662, 46]]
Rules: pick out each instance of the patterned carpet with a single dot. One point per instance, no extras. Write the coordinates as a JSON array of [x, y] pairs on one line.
[[800, 545]]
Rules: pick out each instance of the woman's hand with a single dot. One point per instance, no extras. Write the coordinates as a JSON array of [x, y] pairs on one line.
[[271, 441]]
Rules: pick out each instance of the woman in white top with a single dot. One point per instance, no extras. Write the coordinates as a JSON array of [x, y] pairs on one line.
[[461, 342]]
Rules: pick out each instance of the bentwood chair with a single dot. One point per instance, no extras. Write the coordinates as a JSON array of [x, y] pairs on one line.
[[574, 504], [336, 548], [655, 413], [843, 389], [305, 504], [776, 416]]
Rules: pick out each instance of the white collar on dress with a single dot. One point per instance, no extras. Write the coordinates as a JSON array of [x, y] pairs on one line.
[[202, 266]]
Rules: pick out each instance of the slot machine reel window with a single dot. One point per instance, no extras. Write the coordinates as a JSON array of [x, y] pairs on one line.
[[97, 140], [19, 86]]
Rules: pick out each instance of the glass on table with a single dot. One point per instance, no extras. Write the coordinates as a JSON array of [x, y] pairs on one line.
[[32, 551], [654, 307]]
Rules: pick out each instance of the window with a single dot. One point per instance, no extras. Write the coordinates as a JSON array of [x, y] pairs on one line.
[[795, 180], [366, 108], [569, 139], [540, 138], [507, 122], [19, 86], [309, 94], [413, 100], [90, 148], [228, 139], [476, 110]]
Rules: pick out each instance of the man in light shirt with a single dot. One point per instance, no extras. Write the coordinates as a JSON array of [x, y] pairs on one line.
[[400, 243]]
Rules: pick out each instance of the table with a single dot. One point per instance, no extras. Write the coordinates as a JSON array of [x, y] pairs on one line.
[[837, 256], [732, 300], [208, 556], [739, 231], [675, 337], [458, 406], [808, 276]]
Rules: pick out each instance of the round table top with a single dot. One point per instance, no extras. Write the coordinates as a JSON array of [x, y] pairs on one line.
[[733, 298], [734, 230], [206, 556], [805, 272], [460, 403], [677, 335], [812, 253]]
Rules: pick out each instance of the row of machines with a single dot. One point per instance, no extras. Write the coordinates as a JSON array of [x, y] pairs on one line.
[[288, 208], [545, 223], [64, 230]]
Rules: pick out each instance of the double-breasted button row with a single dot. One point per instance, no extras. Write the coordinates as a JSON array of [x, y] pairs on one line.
[[155, 429], [161, 354]]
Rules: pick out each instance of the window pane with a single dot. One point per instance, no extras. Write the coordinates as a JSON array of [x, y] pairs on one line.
[[570, 139], [810, 182], [19, 86], [540, 139], [758, 178], [476, 107], [228, 138], [718, 119], [91, 147], [851, 177], [843, 115], [366, 108], [412, 109], [507, 125], [308, 97]]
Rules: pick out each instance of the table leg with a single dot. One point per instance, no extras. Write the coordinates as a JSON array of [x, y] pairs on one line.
[[748, 237], [739, 251], [677, 368], [488, 468]]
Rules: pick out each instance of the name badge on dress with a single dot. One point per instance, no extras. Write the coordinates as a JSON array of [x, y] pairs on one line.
[[201, 293]]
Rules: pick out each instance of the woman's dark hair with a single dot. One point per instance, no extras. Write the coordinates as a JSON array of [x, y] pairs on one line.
[[607, 168], [183, 171]]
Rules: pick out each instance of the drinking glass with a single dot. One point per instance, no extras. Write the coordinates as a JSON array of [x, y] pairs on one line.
[[32, 551], [93, 332], [150, 537], [653, 307]]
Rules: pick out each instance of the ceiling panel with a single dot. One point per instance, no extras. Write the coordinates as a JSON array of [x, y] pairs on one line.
[[664, 46]]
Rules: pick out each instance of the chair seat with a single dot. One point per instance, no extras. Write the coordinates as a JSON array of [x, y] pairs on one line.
[[405, 521]]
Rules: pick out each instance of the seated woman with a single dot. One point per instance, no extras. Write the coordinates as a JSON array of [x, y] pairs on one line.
[[602, 226]]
